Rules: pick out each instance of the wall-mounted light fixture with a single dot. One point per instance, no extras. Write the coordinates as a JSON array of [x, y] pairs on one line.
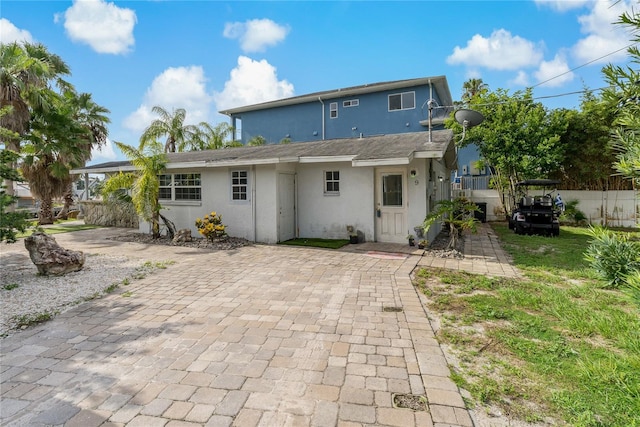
[[315, 133], [440, 178], [413, 173]]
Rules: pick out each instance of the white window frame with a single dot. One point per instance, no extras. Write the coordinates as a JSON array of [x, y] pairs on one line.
[[242, 183], [402, 101], [331, 181], [351, 103], [333, 110], [173, 185]]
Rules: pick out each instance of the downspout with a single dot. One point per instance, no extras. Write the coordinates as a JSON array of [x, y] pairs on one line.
[[430, 107], [253, 203], [322, 102]]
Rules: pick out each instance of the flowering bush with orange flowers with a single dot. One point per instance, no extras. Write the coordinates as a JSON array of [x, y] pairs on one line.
[[211, 226]]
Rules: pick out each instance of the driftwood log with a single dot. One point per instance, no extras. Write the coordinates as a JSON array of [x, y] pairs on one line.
[[51, 258]]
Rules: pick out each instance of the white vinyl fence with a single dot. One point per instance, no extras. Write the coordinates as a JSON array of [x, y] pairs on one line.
[[610, 208]]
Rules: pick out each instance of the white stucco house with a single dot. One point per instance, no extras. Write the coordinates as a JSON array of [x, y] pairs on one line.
[[382, 184]]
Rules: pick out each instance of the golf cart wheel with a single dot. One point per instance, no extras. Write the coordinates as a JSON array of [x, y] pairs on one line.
[[518, 229]]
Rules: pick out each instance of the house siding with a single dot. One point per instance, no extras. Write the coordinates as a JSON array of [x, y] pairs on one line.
[[303, 122], [327, 216]]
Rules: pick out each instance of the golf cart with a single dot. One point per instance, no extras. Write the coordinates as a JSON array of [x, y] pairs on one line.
[[535, 214]]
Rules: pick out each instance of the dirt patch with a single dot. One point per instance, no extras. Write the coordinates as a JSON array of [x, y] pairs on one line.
[[410, 401]]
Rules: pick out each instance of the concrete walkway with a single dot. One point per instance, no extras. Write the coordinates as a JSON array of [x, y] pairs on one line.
[[259, 336]]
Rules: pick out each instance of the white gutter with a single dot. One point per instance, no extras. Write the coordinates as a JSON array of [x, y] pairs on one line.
[[381, 162], [325, 159]]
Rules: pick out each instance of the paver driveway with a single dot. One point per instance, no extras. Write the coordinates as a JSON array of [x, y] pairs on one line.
[[262, 335]]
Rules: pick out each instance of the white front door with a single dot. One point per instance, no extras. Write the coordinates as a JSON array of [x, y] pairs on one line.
[[391, 206], [286, 207]]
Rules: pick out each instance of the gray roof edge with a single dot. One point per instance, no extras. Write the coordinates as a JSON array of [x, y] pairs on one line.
[[440, 82]]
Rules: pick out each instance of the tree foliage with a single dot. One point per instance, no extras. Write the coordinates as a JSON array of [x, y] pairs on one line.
[[623, 97], [55, 144], [170, 125], [150, 162], [10, 220], [519, 138]]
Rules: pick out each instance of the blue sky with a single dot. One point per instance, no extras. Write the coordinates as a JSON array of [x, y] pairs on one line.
[[206, 56]]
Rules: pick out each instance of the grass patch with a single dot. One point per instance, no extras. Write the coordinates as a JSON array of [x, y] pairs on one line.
[[57, 228], [317, 243], [10, 286], [555, 344]]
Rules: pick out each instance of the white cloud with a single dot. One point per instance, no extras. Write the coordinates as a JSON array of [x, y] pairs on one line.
[[104, 154], [104, 26], [252, 82], [9, 33], [602, 36], [181, 87], [501, 51], [521, 79], [554, 73], [256, 35], [563, 5]]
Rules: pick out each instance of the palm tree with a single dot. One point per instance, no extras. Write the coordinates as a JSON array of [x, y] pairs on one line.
[[150, 162], [172, 126], [25, 70], [210, 137], [472, 88], [56, 143], [93, 118]]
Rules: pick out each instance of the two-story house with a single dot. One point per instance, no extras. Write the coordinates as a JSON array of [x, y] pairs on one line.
[[375, 157]]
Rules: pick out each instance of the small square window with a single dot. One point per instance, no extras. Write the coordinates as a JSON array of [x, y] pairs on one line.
[[332, 182]]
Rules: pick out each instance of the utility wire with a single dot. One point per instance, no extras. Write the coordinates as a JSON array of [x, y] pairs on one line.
[[585, 64]]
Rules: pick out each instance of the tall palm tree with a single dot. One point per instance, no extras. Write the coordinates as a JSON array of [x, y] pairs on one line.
[[209, 137], [94, 119], [25, 71], [55, 144], [472, 88], [171, 125], [150, 162]]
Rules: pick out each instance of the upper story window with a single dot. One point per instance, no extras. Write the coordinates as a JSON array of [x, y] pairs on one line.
[[239, 185], [180, 187], [333, 110], [332, 182], [402, 101], [351, 103]]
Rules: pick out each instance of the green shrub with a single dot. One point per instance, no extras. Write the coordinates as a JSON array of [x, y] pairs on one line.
[[613, 255], [573, 215]]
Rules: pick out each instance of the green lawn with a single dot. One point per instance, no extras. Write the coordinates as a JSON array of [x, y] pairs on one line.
[[552, 344], [317, 243], [59, 227]]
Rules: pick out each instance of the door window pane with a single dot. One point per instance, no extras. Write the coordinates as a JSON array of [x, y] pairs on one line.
[[392, 190]]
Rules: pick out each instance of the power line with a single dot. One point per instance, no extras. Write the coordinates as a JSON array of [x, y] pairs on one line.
[[584, 65]]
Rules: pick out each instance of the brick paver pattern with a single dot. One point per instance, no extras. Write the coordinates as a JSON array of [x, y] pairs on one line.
[[258, 336]]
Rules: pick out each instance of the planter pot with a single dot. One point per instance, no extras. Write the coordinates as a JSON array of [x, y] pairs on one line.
[[412, 243], [420, 246], [353, 239]]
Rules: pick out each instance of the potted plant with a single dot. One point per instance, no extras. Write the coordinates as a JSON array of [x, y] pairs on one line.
[[412, 240], [422, 244], [353, 234]]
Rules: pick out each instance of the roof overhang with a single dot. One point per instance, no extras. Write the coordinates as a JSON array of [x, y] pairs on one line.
[[439, 82]]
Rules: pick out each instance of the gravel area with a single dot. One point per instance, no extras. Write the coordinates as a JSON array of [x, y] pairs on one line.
[[37, 296]]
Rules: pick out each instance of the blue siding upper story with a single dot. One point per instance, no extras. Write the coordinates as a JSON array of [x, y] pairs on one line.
[[301, 122]]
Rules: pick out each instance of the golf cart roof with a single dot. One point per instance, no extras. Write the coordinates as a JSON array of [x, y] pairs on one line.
[[540, 182]]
